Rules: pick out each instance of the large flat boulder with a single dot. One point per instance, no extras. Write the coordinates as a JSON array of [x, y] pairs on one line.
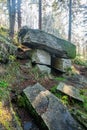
[[35, 38], [49, 108]]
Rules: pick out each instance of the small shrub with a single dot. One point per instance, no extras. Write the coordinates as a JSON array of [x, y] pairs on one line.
[[53, 89], [84, 96], [64, 100], [61, 96], [21, 101], [79, 61], [85, 102], [12, 58], [3, 84], [4, 31]]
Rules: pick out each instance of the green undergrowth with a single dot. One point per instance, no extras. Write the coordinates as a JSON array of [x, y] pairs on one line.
[[3, 31], [8, 117], [83, 93], [67, 100], [60, 78], [4, 36], [3, 84], [12, 71], [64, 98], [80, 61], [4, 91], [16, 117]]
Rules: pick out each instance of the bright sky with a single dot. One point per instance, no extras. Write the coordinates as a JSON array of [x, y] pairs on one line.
[[83, 1]]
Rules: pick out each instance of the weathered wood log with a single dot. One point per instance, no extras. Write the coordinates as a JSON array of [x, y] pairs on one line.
[[34, 38]]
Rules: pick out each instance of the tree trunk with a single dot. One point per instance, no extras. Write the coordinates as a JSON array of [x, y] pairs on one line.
[[19, 13], [12, 12], [70, 20], [9, 11], [40, 14]]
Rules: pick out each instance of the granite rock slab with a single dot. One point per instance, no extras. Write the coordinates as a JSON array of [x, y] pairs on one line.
[[38, 39], [47, 106]]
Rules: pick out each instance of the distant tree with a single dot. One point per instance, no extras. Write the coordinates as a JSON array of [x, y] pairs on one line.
[[40, 14], [19, 13], [70, 20], [85, 19], [12, 13]]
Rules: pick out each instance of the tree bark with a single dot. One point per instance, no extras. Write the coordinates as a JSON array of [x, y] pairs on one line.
[[40, 14], [12, 12], [19, 13], [9, 11], [70, 20]]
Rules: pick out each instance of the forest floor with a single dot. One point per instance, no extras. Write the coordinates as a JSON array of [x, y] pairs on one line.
[[18, 76]]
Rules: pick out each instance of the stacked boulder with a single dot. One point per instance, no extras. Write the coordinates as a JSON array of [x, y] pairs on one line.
[[60, 51]]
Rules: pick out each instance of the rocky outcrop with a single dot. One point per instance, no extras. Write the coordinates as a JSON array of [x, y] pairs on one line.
[[38, 39], [6, 49], [44, 105]]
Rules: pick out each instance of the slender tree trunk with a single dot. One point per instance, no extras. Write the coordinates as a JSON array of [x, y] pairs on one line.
[[70, 20], [40, 14], [12, 12], [19, 13], [9, 11]]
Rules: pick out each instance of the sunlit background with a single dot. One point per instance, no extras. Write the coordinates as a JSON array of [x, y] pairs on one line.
[[55, 19]]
